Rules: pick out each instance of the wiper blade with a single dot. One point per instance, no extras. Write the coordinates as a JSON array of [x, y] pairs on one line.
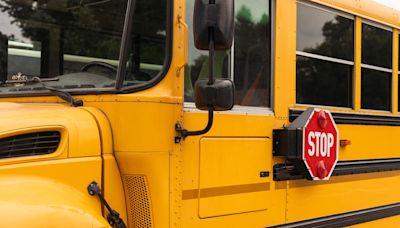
[[58, 92], [31, 80]]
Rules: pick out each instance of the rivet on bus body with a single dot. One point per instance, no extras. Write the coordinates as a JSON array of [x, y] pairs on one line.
[[322, 121]]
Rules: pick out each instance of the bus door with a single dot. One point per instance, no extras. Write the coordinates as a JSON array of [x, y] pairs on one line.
[[227, 172]]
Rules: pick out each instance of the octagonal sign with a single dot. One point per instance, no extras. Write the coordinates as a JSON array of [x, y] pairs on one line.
[[320, 144]]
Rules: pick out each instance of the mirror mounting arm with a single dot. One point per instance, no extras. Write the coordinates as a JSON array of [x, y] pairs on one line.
[[183, 133], [211, 61]]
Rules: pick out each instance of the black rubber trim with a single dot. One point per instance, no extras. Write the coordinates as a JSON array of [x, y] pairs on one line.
[[351, 118], [349, 218], [284, 172]]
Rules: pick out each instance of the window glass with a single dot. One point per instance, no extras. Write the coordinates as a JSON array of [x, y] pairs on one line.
[[252, 53], [78, 42], [324, 33], [325, 50], [376, 46], [248, 63], [323, 83], [376, 76], [147, 49], [58, 39], [376, 90]]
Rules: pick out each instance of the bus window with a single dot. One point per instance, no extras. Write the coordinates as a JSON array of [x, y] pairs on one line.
[[376, 73], [147, 47], [248, 63], [325, 56], [64, 39]]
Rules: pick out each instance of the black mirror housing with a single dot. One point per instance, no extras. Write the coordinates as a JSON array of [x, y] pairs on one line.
[[219, 17], [219, 95]]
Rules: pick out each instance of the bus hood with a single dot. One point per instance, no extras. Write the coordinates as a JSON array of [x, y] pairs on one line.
[[77, 126]]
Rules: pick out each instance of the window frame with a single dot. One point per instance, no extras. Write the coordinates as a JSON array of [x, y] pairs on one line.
[[377, 68], [328, 58]]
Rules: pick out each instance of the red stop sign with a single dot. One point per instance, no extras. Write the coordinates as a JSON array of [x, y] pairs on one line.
[[320, 144]]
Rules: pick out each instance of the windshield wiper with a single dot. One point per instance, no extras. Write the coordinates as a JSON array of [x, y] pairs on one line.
[[58, 92], [31, 80]]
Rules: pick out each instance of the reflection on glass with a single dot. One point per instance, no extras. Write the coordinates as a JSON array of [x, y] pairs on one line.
[[376, 46], [324, 33], [252, 54], [376, 90], [58, 38], [323, 83], [251, 70], [79, 42], [147, 50]]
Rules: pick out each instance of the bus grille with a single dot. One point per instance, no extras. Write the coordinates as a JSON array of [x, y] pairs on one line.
[[138, 200], [31, 144]]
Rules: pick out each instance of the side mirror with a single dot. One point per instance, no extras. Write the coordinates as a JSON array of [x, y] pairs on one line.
[[218, 96], [216, 15], [213, 26]]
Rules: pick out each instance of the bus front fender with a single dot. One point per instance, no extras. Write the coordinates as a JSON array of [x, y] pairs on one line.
[[39, 202]]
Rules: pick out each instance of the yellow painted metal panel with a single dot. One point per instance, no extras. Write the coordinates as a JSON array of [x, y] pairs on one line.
[[312, 199], [230, 125], [284, 77], [155, 122], [48, 203], [78, 125], [105, 130], [233, 161], [357, 64], [369, 142], [155, 167], [395, 74], [112, 187], [50, 193], [230, 179]]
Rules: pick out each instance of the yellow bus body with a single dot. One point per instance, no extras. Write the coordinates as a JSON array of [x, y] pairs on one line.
[[126, 142]]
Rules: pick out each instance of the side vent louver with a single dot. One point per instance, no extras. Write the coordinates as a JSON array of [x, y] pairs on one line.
[[138, 199], [30, 144]]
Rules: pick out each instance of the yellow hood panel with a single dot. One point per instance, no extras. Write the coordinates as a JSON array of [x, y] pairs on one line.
[[79, 131]]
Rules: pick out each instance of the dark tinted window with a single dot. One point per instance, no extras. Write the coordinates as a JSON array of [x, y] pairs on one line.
[[252, 54], [376, 46], [58, 38], [323, 83], [325, 50], [376, 90], [324, 33], [79, 42], [251, 67]]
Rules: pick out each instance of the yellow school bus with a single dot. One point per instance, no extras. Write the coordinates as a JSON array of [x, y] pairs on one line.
[[111, 117]]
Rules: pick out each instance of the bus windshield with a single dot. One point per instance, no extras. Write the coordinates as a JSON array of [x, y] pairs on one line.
[[78, 43]]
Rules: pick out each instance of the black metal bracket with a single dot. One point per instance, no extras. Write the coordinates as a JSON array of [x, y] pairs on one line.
[[284, 172], [113, 216], [183, 133]]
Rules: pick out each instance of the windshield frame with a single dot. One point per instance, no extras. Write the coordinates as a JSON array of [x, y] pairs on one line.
[[120, 77]]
